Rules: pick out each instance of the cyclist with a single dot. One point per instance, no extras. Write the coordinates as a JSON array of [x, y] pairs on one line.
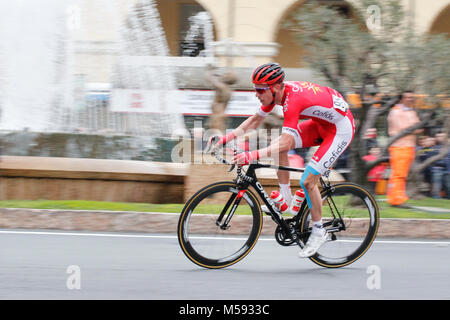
[[330, 126]]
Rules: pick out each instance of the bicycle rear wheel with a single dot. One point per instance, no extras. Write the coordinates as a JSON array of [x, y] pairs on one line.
[[206, 236], [360, 215]]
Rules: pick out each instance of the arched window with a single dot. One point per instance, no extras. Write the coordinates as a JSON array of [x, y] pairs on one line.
[[290, 52], [442, 22], [188, 26]]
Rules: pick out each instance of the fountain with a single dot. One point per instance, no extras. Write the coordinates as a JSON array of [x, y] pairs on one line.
[[41, 97], [200, 27], [33, 64], [143, 83]]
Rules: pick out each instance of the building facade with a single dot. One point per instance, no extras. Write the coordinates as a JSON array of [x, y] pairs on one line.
[[245, 33]]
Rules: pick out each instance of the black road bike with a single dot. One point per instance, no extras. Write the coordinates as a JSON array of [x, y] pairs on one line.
[[221, 223]]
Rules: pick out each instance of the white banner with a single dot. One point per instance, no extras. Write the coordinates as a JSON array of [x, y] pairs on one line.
[[148, 101], [242, 103], [188, 102]]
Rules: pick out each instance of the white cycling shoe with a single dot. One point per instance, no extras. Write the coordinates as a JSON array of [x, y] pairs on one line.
[[314, 243]]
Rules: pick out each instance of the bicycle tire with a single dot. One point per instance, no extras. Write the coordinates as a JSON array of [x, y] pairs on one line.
[[198, 232], [361, 220]]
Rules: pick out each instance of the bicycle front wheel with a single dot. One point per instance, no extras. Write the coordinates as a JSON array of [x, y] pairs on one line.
[[356, 208], [219, 225]]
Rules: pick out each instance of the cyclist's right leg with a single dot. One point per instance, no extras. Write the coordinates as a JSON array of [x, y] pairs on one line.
[[310, 139], [283, 180], [284, 177]]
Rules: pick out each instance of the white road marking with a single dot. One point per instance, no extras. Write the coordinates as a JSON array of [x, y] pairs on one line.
[[119, 235]]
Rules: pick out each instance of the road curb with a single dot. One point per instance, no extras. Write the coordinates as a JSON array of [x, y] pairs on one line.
[[155, 222]]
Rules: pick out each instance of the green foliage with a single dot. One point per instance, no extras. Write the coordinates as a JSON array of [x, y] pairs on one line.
[[372, 48], [91, 205], [386, 210]]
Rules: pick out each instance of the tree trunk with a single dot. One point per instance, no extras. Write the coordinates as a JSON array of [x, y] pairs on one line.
[[367, 115]]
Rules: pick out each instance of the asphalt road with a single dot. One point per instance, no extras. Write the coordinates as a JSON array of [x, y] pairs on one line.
[[45, 264]]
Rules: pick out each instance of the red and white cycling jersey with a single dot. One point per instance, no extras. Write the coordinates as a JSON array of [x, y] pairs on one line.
[[330, 123]]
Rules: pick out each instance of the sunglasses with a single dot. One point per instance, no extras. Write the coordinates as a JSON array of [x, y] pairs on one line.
[[261, 90]]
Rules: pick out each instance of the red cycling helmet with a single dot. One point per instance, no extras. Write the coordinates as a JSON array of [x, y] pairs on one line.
[[269, 73]]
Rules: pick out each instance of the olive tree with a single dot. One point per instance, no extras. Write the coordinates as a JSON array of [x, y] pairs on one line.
[[373, 47]]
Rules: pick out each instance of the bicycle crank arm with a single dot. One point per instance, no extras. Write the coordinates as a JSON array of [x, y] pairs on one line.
[[334, 229], [334, 225], [299, 242], [295, 237]]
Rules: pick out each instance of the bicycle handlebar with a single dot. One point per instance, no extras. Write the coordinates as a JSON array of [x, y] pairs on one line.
[[222, 160], [215, 152]]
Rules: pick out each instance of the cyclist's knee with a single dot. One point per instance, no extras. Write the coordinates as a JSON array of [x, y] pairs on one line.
[[308, 185], [309, 178], [308, 182], [302, 183]]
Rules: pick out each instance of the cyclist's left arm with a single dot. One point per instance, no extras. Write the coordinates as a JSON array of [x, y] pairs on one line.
[[283, 143], [249, 124]]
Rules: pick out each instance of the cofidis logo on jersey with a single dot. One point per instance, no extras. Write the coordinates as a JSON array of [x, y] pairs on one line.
[[335, 154], [323, 114]]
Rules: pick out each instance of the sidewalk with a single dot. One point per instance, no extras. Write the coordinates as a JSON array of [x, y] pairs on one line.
[[157, 222], [431, 209], [423, 208]]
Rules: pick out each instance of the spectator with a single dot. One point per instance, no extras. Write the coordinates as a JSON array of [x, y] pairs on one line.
[[403, 150], [376, 173], [343, 163], [425, 151], [421, 141], [440, 169], [371, 138]]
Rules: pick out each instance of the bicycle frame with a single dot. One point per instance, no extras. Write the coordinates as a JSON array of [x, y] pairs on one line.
[[250, 179], [350, 201]]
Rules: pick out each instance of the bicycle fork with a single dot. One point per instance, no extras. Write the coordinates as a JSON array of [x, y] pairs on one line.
[[236, 197]]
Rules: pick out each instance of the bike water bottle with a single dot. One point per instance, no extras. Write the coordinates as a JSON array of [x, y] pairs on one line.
[[279, 201], [297, 201]]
